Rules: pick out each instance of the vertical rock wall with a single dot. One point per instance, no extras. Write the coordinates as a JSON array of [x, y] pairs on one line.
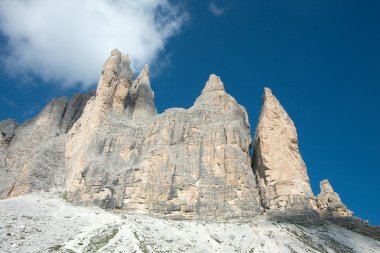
[[183, 163], [33, 153], [94, 165], [195, 163]]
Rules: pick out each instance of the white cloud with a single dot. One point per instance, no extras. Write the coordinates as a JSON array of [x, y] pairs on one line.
[[216, 10], [68, 40]]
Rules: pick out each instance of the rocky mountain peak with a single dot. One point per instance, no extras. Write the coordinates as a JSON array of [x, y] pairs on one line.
[[213, 84], [214, 96], [140, 103], [329, 202], [326, 187], [113, 150], [181, 163], [143, 76], [117, 66], [267, 93], [114, 83], [281, 172]]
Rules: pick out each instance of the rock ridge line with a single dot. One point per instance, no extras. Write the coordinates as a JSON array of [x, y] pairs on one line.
[[112, 149]]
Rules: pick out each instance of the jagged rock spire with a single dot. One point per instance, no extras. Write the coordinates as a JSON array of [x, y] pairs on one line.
[[213, 95], [281, 173], [142, 97], [213, 84], [326, 187], [114, 83], [329, 203], [118, 92], [143, 77]]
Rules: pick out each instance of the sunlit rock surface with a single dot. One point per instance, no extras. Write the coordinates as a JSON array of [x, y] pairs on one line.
[[329, 203], [281, 172], [185, 163]]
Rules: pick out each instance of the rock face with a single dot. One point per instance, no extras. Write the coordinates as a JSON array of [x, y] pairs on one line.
[[112, 149], [329, 203], [191, 163], [94, 162], [140, 102], [281, 173], [195, 163], [33, 153], [7, 130]]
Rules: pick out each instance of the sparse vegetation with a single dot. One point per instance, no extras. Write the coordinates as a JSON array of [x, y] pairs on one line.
[[100, 240], [142, 244], [65, 197], [308, 241], [337, 246], [54, 248]]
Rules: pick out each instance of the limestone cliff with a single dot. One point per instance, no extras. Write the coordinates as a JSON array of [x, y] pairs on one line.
[[195, 163], [140, 103], [111, 148], [190, 163], [7, 131], [32, 157]]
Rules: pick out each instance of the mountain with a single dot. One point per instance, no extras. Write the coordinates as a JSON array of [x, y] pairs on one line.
[[196, 168]]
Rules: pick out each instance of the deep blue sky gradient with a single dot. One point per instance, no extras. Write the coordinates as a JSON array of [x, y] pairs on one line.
[[320, 58]]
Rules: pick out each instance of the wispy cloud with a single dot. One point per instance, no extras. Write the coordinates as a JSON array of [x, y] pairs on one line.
[[68, 41], [215, 9], [8, 101]]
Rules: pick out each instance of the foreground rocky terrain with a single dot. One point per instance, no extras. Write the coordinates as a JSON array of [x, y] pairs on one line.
[[111, 149], [45, 223]]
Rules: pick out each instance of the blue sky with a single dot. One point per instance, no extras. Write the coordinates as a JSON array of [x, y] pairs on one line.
[[320, 58]]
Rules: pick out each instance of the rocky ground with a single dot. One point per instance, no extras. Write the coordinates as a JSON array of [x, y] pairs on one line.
[[47, 223]]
